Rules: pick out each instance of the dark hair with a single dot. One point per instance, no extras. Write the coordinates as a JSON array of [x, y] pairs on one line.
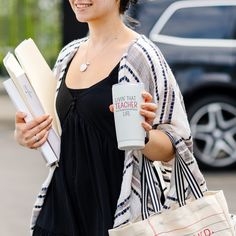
[[124, 5]]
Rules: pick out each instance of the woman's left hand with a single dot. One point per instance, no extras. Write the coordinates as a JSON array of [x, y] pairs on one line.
[[148, 111]]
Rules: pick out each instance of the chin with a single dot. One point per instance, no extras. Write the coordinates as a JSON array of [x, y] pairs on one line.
[[85, 18], [82, 19]]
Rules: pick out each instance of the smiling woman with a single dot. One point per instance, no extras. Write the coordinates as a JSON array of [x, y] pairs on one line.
[[97, 186], [91, 10]]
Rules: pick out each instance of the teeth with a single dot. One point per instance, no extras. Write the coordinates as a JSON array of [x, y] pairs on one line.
[[83, 5]]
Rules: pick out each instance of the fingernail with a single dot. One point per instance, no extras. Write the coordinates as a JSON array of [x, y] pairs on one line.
[[142, 112]]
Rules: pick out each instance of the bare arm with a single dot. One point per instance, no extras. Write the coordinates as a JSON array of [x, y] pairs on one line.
[[159, 147]]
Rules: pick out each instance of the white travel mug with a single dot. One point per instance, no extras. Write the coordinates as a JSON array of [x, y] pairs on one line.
[[127, 99]]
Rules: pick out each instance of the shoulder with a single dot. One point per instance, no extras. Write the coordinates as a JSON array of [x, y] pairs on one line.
[[64, 57], [145, 48], [69, 48], [144, 52], [147, 62], [140, 63]]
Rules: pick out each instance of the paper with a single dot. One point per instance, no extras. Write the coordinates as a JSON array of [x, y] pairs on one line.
[[46, 150], [39, 74], [29, 97], [35, 84]]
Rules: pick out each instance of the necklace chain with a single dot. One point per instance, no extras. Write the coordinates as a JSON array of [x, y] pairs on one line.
[[84, 66]]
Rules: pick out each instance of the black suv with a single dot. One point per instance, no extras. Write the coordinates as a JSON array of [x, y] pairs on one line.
[[198, 40]]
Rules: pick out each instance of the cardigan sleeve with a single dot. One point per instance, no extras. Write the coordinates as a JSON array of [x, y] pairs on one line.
[[171, 114], [148, 65], [171, 118]]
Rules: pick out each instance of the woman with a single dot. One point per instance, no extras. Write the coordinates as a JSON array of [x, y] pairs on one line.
[[97, 186]]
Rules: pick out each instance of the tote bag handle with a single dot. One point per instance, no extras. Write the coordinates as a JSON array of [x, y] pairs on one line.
[[150, 186]]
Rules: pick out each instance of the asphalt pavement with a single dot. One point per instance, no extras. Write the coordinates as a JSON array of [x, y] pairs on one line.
[[22, 172]]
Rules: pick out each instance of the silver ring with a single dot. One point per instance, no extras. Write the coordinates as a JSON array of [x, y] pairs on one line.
[[36, 138]]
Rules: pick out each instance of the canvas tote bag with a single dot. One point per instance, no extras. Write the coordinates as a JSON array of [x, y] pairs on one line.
[[205, 215]]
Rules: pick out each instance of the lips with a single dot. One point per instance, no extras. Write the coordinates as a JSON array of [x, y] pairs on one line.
[[82, 5]]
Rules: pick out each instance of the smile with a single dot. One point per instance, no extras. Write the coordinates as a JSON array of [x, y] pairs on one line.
[[82, 6]]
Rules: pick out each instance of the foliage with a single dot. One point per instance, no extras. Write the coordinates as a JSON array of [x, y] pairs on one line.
[[39, 20]]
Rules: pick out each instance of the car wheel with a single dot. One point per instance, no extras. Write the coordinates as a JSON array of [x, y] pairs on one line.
[[213, 125]]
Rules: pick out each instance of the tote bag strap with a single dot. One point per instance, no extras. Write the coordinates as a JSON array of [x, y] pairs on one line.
[[144, 198], [150, 189], [182, 172], [153, 188]]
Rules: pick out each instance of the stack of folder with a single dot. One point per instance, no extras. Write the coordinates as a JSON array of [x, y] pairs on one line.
[[31, 88]]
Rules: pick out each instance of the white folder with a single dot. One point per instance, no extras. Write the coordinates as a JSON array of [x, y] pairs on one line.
[[20, 105], [39, 74], [35, 84]]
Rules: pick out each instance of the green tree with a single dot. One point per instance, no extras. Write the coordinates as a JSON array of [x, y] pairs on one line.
[[39, 20]]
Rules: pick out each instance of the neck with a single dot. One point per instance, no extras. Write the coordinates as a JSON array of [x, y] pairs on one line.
[[103, 29]]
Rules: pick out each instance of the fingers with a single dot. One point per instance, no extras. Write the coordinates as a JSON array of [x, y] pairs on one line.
[[41, 139], [111, 108], [37, 121], [148, 115], [32, 134], [19, 117], [149, 106], [33, 127], [146, 126], [148, 110], [147, 96], [46, 124]]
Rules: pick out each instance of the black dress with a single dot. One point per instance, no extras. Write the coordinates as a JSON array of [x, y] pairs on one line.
[[84, 190]]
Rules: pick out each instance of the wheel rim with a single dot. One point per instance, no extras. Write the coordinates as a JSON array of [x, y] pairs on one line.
[[214, 131]]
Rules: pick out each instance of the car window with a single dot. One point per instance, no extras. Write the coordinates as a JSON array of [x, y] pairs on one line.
[[232, 22], [213, 22]]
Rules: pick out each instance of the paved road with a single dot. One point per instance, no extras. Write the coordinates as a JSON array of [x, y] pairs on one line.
[[22, 172]]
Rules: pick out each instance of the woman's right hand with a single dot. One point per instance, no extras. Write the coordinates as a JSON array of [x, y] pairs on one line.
[[32, 134]]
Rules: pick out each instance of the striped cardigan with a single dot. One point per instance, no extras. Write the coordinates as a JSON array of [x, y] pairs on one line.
[[142, 62]]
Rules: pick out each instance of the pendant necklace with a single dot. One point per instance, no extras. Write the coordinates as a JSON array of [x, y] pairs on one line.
[[84, 66]]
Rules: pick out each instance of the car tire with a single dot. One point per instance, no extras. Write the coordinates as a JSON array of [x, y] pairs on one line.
[[213, 124]]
